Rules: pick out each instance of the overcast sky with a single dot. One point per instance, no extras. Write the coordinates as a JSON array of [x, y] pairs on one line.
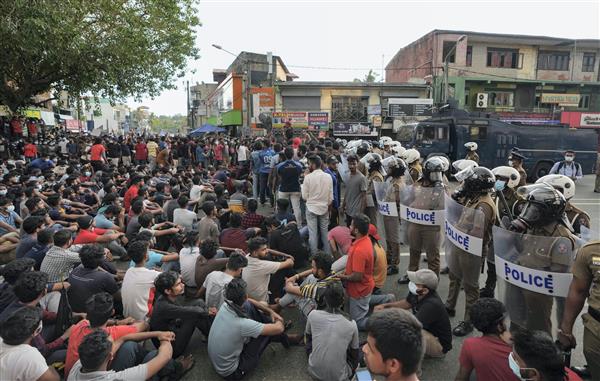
[[357, 35]]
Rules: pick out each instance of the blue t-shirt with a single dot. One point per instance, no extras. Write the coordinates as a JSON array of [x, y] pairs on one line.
[[9, 220], [154, 260], [289, 171], [42, 164], [102, 222], [336, 200], [200, 154], [265, 158], [256, 162]]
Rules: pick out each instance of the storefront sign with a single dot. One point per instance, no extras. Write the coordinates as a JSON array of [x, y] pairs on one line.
[[296, 119], [374, 109], [398, 107], [590, 120], [73, 124], [353, 129], [318, 121], [542, 282], [29, 113], [561, 99], [377, 121]]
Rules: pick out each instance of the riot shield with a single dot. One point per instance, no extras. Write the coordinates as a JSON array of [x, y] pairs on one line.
[[464, 230], [533, 272], [383, 194], [343, 169], [422, 205]]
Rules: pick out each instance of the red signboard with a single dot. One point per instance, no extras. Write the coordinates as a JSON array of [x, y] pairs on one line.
[[578, 119]]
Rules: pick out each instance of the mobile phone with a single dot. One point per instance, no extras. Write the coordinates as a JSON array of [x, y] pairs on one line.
[[363, 375]]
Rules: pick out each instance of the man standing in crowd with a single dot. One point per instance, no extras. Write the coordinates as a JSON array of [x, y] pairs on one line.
[[317, 191], [355, 196], [568, 167]]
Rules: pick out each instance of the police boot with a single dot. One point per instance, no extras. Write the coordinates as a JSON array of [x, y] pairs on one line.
[[463, 328]]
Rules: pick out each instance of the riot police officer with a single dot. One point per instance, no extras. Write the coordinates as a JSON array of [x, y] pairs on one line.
[[429, 195], [474, 193], [412, 158], [585, 284], [396, 170], [515, 160], [361, 151], [576, 217], [472, 152], [541, 217], [372, 161], [505, 198]]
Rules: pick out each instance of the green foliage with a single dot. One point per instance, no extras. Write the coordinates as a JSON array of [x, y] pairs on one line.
[[371, 76], [110, 48], [172, 124]]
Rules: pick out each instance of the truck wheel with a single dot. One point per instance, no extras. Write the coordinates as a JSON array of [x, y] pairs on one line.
[[541, 169]]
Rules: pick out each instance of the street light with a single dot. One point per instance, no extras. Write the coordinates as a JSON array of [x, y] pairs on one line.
[[248, 79], [446, 66]]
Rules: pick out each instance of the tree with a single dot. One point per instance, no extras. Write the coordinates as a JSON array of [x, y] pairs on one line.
[[371, 76], [171, 124], [109, 48]]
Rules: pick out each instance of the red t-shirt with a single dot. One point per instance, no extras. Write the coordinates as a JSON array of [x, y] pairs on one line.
[[30, 150], [488, 357], [131, 193], [96, 152], [341, 236], [17, 128], [219, 152], [141, 151], [32, 128], [80, 330], [360, 260], [87, 236]]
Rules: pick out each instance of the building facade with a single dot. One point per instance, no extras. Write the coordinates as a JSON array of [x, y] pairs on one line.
[[350, 109], [514, 76]]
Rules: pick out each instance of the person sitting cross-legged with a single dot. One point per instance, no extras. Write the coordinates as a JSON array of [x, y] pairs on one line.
[[241, 332], [214, 284]]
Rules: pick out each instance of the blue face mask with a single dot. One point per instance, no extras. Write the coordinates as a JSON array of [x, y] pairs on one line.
[[499, 185], [514, 366]]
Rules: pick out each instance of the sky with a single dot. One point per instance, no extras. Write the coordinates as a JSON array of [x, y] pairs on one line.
[[344, 39]]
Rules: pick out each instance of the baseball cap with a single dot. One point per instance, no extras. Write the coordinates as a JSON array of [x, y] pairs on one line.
[[373, 232], [425, 277], [85, 222]]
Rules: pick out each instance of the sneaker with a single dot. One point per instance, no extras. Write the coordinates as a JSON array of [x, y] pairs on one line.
[[404, 280], [462, 329], [451, 311], [391, 270]]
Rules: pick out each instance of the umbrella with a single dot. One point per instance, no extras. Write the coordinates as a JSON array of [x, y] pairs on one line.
[[207, 128]]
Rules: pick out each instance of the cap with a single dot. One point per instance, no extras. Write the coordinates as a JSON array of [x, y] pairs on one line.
[[332, 160], [85, 222], [516, 155], [425, 277], [570, 151], [373, 232]]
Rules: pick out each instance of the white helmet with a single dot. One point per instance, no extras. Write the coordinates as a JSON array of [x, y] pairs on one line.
[[509, 173], [411, 155], [461, 164], [392, 162], [446, 163], [385, 140], [471, 146], [398, 150], [562, 183]]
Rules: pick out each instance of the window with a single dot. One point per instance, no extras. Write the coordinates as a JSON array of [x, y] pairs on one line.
[[469, 60], [478, 132], [505, 58], [349, 109], [589, 60], [449, 46], [501, 98], [553, 61], [584, 101], [428, 133]]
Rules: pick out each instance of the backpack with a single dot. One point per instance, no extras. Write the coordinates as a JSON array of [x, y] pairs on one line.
[[64, 315], [577, 166]]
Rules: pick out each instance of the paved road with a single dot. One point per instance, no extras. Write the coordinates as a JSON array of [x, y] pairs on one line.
[[281, 364]]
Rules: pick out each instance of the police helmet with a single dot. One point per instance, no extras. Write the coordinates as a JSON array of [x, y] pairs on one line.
[[375, 144], [479, 179], [471, 146], [363, 149], [398, 150], [446, 162], [544, 205], [433, 168], [371, 159], [562, 183], [509, 173], [411, 155], [461, 164]]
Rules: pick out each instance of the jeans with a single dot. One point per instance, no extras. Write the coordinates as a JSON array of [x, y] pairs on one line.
[[132, 354], [294, 198], [359, 308], [265, 191], [317, 224], [255, 185]]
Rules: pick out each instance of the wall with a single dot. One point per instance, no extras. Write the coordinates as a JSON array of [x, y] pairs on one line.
[[417, 55]]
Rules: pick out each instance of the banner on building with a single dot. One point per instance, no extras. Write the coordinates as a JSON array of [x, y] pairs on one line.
[[297, 119], [73, 125], [561, 99], [48, 118], [263, 102], [353, 129], [399, 107], [374, 109], [29, 113], [318, 121], [590, 120]]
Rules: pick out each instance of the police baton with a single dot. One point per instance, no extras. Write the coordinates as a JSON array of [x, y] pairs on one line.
[[505, 204]]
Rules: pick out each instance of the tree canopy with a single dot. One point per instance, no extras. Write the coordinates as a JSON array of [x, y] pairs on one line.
[[371, 76], [110, 48], [171, 124]]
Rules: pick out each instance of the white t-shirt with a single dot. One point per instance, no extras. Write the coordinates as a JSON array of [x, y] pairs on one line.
[[130, 374], [257, 276], [185, 218], [214, 284], [137, 292], [188, 256], [195, 192], [21, 362], [242, 153]]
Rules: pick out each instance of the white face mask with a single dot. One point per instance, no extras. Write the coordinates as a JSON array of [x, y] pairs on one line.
[[412, 288], [514, 366], [10, 208], [88, 174], [510, 163], [569, 158], [3, 192]]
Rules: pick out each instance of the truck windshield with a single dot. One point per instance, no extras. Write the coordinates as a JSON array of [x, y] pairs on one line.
[[428, 133]]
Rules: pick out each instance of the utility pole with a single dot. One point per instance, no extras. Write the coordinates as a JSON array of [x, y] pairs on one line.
[[446, 66]]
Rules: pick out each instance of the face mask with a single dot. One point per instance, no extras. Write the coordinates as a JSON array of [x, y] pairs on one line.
[[510, 163], [88, 174], [3, 192], [569, 158], [10, 208], [499, 185], [514, 366], [412, 288], [38, 187]]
